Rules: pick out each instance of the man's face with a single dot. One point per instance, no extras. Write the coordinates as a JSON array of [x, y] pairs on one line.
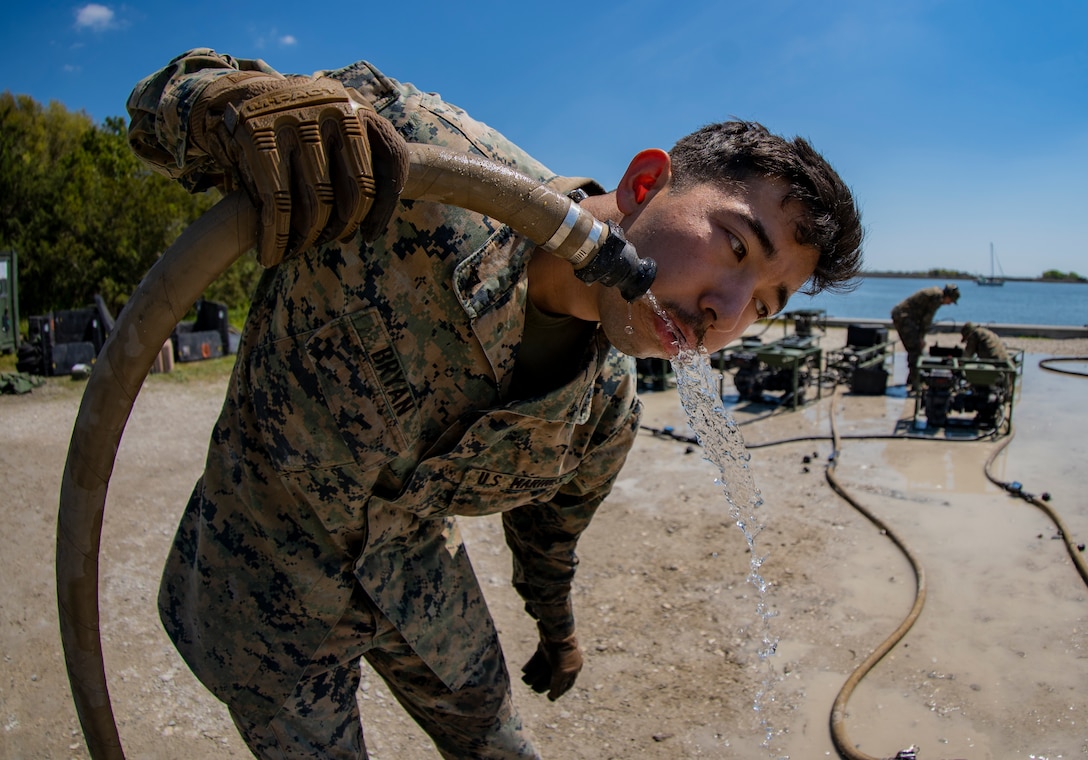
[[726, 256]]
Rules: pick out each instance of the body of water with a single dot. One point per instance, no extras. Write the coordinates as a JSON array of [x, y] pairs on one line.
[[1020, 303]]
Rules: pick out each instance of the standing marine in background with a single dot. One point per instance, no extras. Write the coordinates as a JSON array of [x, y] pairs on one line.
[[914, 316]]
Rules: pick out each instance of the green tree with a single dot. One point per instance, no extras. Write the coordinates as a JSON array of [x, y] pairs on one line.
[[84, 214], [1058, 275]]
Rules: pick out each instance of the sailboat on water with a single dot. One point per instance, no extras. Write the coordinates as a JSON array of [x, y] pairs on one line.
[[993, 279]]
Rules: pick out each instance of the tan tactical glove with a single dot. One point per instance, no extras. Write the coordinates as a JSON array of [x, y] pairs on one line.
[[314, 156], [553, 667]]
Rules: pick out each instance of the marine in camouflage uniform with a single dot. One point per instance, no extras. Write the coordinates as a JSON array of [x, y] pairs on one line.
[[983, 343], [912, 319], [980, 342], [382, 388], [370, 403]]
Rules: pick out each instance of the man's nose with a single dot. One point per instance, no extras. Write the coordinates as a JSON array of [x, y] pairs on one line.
[[726, 309]]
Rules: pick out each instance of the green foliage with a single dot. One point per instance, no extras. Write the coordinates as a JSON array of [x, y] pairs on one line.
[[84, 214], [949, 274], [235, 288], [1054, 275]]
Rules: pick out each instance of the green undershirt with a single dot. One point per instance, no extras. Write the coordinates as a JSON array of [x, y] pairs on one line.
[[551, 351]]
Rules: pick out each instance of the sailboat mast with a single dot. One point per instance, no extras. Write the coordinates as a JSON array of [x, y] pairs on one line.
[[993, 279]]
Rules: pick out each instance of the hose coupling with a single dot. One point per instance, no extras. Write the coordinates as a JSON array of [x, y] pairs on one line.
[[555, 222], [617, 264]]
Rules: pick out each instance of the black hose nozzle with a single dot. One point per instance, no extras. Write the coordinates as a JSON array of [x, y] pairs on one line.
[[617, 264]]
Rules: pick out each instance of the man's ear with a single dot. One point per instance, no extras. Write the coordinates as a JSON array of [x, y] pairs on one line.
[[648, 172]]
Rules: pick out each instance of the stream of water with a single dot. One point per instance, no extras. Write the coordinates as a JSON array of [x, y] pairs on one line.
[[723, 446]]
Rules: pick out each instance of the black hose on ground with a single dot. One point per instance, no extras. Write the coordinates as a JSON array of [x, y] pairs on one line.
[[1076, 552], [1047, 364]]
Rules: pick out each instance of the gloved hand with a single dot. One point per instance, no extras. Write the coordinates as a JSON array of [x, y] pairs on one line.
[[314, 156], [553, 667]]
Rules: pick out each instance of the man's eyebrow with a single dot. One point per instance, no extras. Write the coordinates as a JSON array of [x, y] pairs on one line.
[[760, 232]]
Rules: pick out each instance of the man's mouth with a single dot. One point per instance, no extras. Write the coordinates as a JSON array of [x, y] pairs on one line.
[[670, 334]]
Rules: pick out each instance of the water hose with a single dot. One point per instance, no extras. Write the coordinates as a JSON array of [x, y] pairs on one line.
[[200, 254], [1016, 489], [598, 252], [838, 710], [1048, 364]]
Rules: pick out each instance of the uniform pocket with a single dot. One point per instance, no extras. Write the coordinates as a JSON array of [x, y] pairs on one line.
[[326, 400], [503, 461], [364, 387], [332, 407]]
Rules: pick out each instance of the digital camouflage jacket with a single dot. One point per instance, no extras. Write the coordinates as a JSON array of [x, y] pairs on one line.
[[919, 309], [985, 344], [369, 405]]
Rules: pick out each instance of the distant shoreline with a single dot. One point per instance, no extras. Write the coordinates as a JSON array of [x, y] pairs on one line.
[[961, 276]]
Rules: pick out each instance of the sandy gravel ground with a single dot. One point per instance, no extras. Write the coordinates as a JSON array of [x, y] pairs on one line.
[[995, 667]]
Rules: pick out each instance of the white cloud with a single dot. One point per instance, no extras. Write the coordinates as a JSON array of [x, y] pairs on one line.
[[273, 38], [94, 17]]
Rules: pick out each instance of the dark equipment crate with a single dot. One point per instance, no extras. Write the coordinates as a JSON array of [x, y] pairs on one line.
[[59, 340], [866, 336], [863, 364], [197, 346], [945, 351], [869, 381], [206, 337], [65, 356]]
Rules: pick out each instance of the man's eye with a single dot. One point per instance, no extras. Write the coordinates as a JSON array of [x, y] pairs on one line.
[[762, 310], [738, 246]]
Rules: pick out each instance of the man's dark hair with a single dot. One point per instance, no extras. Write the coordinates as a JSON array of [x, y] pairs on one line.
[[735, 151]]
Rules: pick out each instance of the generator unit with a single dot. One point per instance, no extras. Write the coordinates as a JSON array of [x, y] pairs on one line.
[[863, 364], [966, 392], [786, 368]]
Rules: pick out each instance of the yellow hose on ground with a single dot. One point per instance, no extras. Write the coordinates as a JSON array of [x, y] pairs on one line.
[[838, 711]]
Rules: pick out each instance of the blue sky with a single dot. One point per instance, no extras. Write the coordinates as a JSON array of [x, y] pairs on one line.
[[957, 123]]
